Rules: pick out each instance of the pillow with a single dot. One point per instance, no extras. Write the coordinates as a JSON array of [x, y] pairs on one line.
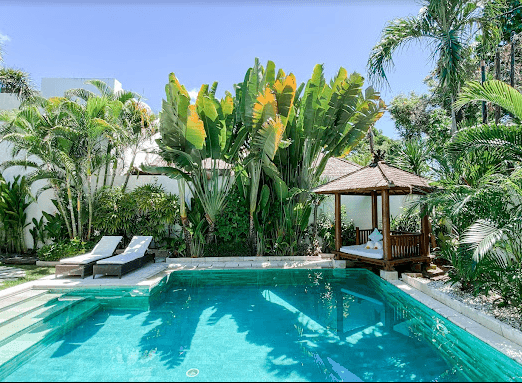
[[370, 245], [375, 236], [378, 245]]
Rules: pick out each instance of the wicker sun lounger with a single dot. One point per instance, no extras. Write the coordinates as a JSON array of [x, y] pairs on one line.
[[82, 265], [134, 257]]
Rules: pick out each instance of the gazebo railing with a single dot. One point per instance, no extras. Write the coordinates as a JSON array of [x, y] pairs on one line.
[[403, 244], [361, 235], [406, 245]]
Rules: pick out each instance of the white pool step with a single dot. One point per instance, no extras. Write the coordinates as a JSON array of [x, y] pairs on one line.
[[34, 318], [19, 297], [25, 307], [26, 344]]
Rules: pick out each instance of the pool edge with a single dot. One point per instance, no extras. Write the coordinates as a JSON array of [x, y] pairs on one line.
[[491, 338]]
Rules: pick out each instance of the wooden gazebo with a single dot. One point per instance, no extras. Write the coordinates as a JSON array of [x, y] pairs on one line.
[[380, 178]]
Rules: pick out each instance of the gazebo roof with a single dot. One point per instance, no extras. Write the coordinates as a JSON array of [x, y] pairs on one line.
[[375, 177], [337, 167]]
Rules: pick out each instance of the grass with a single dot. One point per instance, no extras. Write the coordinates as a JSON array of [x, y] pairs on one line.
[[32, 273]]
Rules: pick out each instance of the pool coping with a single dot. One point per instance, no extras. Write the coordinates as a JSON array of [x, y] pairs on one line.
[[150, 277], [499, 342]]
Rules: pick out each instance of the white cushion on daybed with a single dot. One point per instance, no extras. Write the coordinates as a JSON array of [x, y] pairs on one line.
[[362, 251], [104, 249], [136, 249]]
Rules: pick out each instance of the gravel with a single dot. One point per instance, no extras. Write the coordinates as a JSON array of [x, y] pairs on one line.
[[486, 304]]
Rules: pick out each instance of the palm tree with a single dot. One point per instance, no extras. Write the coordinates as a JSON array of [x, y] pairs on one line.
[[483, 189], [17, 82], [449, 27], [62, 141], [504, 142], [130, 119], [414, 156]]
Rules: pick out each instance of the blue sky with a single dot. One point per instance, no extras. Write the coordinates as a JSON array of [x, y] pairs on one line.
[[202, 42]]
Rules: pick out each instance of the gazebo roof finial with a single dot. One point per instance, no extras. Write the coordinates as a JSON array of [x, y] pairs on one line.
[[378, 156]]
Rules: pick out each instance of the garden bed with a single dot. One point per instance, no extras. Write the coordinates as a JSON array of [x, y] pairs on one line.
[[483, 303], [504, 321]]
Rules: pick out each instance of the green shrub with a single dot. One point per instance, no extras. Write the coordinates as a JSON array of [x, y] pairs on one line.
[[147, 210], [15, 198], [64, 249], [326, 231], [406, 222], [232, 226]]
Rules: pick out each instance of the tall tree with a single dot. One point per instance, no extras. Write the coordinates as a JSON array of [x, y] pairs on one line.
[[129, 119], [449, 27], [63, 144]]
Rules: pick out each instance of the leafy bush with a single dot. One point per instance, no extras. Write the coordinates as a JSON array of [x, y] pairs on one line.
[[405, 222], [232, 228], [64, 249], [326, 231], [147, 210], [15, 198]]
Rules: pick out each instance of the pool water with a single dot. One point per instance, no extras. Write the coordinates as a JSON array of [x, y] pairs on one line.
[[270, 325]]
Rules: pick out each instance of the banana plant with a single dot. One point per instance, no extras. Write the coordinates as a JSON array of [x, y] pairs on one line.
[[292, 137], [266, 102], [198, 141]]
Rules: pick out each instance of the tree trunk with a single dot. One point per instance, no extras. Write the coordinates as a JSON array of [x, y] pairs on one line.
[[79, 208], [453, 116], [61, 208], [211, 228], [107, 162], [71, 208], [114, 169], [184, 220], [252, 237], [129, 171]]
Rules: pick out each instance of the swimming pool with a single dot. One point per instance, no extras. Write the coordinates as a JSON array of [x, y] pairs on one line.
[[269, 325]]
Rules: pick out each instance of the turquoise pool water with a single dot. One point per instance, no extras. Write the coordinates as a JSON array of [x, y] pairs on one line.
[[270, 325]]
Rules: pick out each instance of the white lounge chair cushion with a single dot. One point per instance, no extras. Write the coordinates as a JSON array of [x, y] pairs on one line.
[[362, 251], [103, 249], [136, 249]]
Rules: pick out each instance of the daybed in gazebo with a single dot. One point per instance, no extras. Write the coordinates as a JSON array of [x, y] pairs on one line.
[[380, 178]]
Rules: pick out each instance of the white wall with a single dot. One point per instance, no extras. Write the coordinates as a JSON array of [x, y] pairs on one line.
[[44, 201], [359, 208], [56, 87], [8, 101]]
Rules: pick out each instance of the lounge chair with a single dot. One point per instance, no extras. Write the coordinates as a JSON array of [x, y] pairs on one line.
[[134, 257], [82, 264]]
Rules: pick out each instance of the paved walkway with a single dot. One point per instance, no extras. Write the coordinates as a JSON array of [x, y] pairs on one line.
[[10, 274]]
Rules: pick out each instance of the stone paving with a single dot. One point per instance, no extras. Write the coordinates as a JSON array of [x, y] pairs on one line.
[[10, 274]]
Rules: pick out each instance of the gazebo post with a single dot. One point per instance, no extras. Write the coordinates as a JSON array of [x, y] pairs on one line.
[[375, 219], [338, 234], [386, 232], [425, 230]]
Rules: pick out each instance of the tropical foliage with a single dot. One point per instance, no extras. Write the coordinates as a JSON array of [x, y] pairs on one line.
[[15, 198], [272, 138], [449, 28], [17, 82], [146, 210], [69, 142]]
